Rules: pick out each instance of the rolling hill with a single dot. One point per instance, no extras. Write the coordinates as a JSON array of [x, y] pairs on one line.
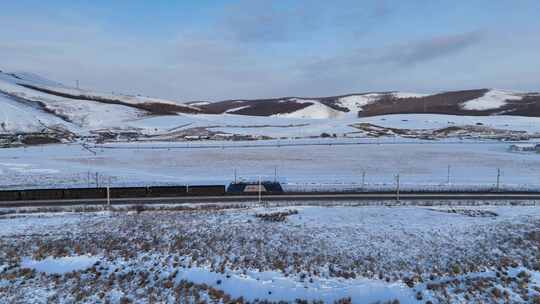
[[32, 104]]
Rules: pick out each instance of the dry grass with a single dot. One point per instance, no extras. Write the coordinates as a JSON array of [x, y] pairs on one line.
[[165, 241]]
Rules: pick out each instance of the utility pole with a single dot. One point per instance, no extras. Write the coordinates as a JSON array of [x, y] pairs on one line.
[[448, 176], [109, 193], [77, 83], [260, 191], [235, 180], [275, 174], [498, 179], [97, 180], [397, 187], [363, 178]]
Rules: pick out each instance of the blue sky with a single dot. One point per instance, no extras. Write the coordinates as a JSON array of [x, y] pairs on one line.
[[191, 50]]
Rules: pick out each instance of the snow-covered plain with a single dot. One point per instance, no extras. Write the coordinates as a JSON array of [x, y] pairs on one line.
[[365, 254], [297, 126], [300, 164], [436, 121]]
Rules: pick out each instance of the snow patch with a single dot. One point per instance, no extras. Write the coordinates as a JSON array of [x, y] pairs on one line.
[[408, 95], [274, 286], [493, 99], [237, 109], [60, 265], [315, 111], [355, 102]]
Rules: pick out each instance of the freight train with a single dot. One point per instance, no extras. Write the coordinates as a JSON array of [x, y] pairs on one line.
[[115, 192], [139, 192], [239, 188]]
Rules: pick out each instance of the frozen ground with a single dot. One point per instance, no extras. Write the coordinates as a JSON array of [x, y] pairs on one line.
[[359, 254], [315, 165], [435, 121]]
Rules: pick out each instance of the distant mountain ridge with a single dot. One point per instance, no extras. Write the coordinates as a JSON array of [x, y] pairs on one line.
[[29, 102], [491, 102]]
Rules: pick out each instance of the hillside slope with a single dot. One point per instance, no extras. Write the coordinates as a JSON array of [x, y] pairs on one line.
[[32, 104], [482, 102], [78, 113], [20, 117]]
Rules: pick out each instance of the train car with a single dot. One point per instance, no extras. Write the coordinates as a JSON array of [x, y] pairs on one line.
[[42, 194], [85, 193], [210, 190], [265, 187], [128, 192], [167, 191], [116, 192], [10, 195]]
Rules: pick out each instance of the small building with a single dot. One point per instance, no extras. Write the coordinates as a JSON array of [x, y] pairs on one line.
[[524, 147], [538, 148]]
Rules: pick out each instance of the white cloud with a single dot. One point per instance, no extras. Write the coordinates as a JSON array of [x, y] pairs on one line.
[[261, 50]]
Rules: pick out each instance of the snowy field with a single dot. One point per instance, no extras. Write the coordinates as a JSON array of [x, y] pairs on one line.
[[331, 164], [353, 254], [291, 126]]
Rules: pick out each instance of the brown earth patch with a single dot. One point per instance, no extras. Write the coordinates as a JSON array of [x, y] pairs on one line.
[[450, 103], [443, 103], [273, 106], [39, 140], [528, 106], [260, 107]]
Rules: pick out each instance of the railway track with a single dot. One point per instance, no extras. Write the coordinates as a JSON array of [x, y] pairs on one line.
[[455, 196]]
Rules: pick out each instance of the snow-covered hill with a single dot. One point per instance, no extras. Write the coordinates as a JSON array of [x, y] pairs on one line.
[[73, 114], [32, 104], [18, 117]]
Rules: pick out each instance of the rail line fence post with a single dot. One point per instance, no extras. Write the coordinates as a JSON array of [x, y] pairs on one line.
[[397, 187]]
